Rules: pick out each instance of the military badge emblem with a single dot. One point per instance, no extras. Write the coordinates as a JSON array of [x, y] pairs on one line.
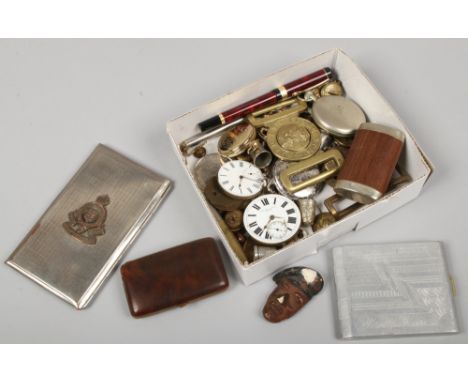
[[87, 222]]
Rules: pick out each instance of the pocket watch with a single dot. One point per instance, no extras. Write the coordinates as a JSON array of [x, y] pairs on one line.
[[236, 141], [338, 115], [240, 179], [243, 140], [272, 219], [206, 168]]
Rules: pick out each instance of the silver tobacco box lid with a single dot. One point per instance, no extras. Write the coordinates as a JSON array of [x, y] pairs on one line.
[[80, 238]]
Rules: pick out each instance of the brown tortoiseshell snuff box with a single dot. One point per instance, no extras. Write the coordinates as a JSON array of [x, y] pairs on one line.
[[173, 277]]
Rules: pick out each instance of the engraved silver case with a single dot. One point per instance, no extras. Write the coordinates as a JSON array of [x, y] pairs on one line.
[[393, 289], [81, 237]]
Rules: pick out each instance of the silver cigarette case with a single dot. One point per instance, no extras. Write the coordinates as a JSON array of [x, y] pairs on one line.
[[81, 237], [393, 290]]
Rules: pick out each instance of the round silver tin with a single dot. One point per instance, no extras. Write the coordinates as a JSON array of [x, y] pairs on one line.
[[337, 115]]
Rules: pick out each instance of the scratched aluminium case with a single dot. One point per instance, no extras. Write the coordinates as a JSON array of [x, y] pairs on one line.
[[81, 237]]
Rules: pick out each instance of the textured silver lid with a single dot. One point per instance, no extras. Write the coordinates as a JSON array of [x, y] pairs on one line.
[[337, 115]]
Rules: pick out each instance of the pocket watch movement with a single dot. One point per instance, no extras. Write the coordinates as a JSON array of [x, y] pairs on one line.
[[272, 219], [240, 179], [218, 199]]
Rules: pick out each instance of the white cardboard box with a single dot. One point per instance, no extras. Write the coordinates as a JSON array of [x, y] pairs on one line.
[[359, 88]]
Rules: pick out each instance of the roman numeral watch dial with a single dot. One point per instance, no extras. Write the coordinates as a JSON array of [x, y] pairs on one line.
[[272, 219], [240, 179]]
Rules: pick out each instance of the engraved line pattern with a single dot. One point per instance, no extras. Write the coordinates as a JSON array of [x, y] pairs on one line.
[[393, 290]]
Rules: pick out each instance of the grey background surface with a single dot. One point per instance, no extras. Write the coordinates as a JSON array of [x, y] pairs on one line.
[[59, 98]]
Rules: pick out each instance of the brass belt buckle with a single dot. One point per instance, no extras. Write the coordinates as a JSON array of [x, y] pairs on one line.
[[330, 205], [270, 114], [319, 158]]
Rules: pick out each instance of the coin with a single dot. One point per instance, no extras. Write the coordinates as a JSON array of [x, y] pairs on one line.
[[293, 137], [233, 220], [199, 152], [219, 199]]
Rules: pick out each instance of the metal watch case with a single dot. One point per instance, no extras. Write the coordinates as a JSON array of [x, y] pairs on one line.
[[236, 141], [338, 115]]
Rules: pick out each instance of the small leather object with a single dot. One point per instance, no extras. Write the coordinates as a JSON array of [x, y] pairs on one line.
[[173, 277]]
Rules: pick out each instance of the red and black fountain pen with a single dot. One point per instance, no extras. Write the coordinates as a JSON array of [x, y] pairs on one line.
[[280, 93]]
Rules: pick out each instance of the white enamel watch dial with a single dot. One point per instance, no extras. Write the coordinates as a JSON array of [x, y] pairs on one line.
[[272, 219], [240, 179]]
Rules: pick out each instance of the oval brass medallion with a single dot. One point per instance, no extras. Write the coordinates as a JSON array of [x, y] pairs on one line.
[[293, 138]]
